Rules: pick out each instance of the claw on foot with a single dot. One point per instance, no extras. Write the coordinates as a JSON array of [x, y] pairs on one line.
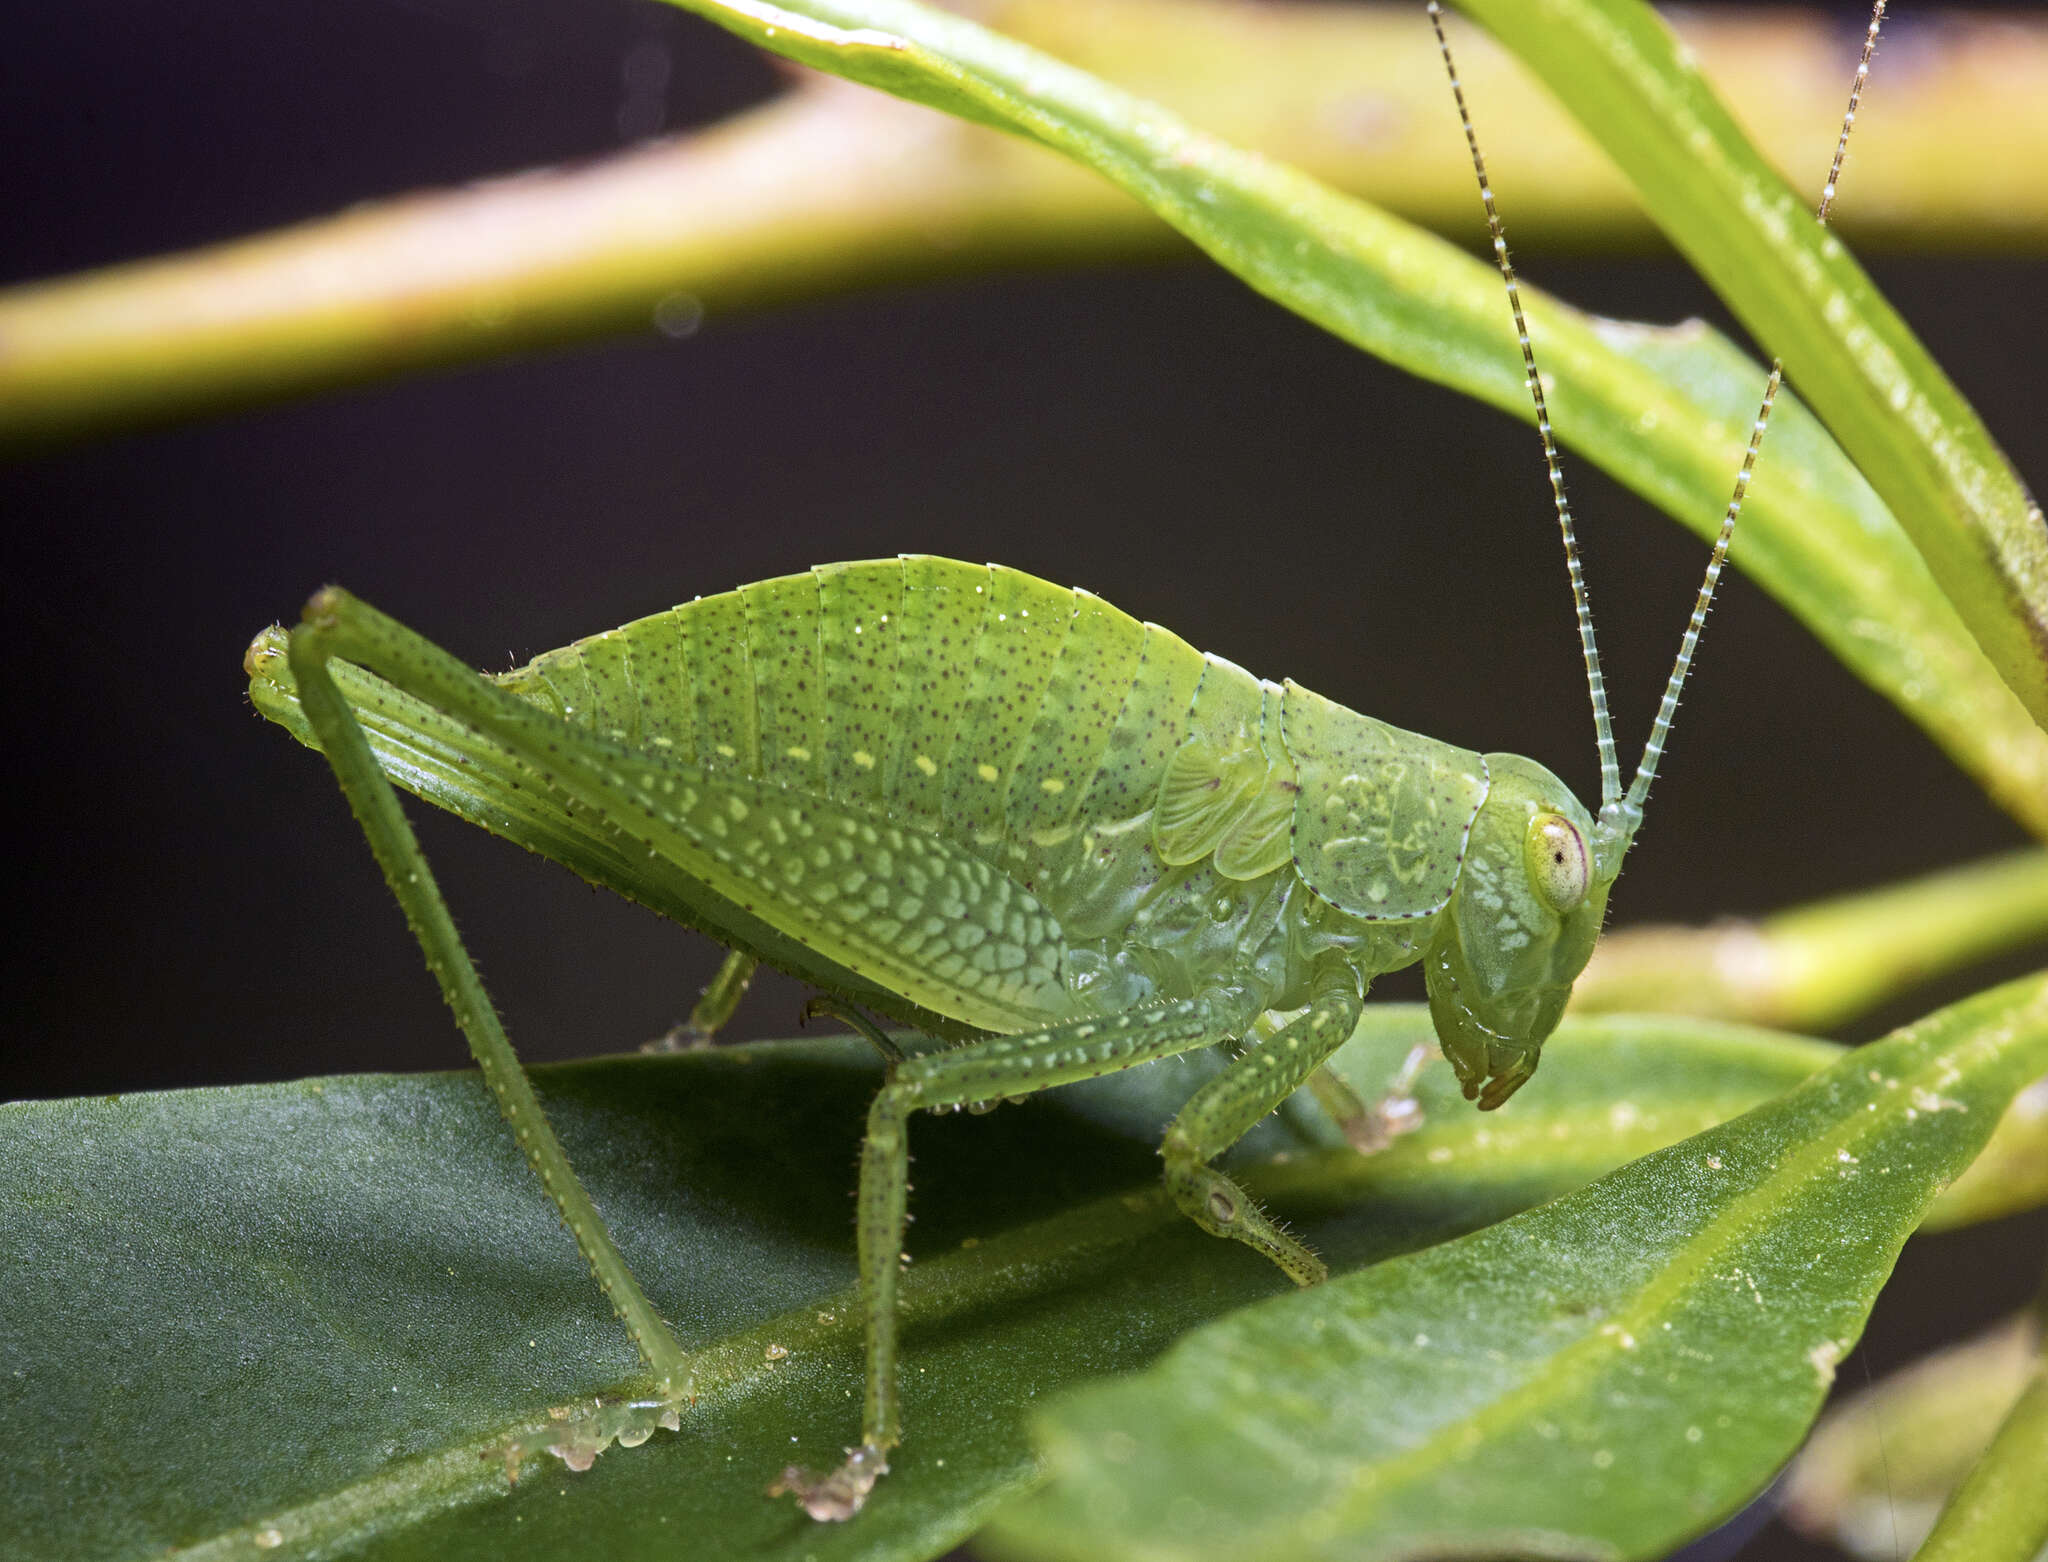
[[838, 1496], [576, 1434]]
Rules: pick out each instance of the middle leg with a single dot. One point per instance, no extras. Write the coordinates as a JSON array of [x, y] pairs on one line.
[[1370, 1129]]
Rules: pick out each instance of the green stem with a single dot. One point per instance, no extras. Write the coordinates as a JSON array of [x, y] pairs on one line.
[[398, 853], [1817, 966]]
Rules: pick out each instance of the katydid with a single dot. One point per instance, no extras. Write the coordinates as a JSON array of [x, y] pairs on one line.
[[1006, 814]]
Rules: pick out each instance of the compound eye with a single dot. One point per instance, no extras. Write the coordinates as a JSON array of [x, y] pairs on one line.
[[1559, 864]]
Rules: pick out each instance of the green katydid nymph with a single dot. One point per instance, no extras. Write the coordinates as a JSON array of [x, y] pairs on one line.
[[1006, 814]]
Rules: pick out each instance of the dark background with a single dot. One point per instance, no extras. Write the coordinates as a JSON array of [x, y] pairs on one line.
[[193, 904]]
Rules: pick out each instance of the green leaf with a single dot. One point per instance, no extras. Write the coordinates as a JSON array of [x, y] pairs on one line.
[[2010, 1175], [1602, 1377], [1624, 75], [1860, 1486], [2000, 1512], [317, 1313], [1665, 412]]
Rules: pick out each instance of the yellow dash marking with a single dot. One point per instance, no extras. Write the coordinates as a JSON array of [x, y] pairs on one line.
[[1052, 784], [864, 759], [797, 751], [726, 750], [926, 764], [987, 772]]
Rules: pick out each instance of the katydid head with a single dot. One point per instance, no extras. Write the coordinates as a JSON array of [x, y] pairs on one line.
[[1519, 927]]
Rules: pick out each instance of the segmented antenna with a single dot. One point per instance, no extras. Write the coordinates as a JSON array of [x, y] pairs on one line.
[[1614, 807], [1589, 649], [1639, 789]]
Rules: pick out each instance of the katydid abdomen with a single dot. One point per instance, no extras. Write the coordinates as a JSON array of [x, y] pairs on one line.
[[958, 776]]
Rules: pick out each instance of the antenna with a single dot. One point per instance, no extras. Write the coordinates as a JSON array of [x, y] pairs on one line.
[[1625, 813], [1631, 811], [1589, 649]]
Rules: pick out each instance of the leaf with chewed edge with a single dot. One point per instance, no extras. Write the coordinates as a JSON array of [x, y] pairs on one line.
[[1602, 1377]]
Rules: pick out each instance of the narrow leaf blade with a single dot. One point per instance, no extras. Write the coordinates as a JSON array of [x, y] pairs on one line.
[[1664, 413], [1621, 71]]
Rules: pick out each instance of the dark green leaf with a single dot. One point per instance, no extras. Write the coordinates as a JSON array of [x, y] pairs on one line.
[[317, 1309]]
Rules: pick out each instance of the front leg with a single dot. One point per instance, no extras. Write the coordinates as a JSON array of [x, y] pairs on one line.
[[991, 1070], [1228, 1106]]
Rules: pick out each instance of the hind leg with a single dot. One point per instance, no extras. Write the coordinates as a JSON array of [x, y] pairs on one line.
[[397, 850]]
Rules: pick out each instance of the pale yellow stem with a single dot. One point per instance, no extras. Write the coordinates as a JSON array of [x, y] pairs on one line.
[[833, 188], [1814, 967]]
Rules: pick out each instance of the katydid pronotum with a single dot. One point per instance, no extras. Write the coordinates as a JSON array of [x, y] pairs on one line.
[[1009, 815]]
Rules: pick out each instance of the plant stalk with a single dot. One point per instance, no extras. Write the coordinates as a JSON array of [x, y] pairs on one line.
[[830, 189]]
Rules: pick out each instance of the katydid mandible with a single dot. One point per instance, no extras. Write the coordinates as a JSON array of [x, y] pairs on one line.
[[1007, 814]]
